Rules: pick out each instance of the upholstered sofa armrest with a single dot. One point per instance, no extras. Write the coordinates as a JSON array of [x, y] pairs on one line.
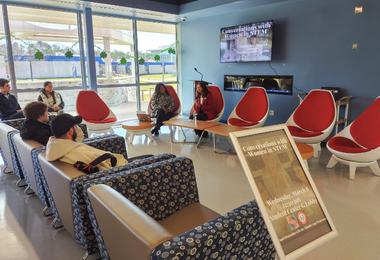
[[15, 123], [238, 234], [83, 127], [159, 189], [112, 143], [84, 233], [126, 228]]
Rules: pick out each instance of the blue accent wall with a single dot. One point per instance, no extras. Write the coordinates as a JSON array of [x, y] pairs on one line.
[[312, 41]]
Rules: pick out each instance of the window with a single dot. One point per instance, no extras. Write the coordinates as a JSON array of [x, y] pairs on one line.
[[121, 100], [114, 36], [53, 33], [4, 66], [153, 39]]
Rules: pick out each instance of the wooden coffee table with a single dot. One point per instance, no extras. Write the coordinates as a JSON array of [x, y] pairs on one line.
[[306, 151], [135, 127], [188, 123], [224, 130]]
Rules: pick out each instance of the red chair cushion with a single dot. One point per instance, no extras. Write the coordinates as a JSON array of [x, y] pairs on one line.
[[253, 106], [217, 98], [108, 120], [91, 107], [345, 145], [298, 132], [317, 112], [238, 122], [365, 129]]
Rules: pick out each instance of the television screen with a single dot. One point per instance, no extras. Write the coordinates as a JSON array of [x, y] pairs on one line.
[[272, 84], [246, 43]]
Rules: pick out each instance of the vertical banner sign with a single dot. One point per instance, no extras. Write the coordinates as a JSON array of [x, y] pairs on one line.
[[288, 198]]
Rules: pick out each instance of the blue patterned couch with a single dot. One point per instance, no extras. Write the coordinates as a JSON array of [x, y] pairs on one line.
[[15, 163], [112, 143], [164, 188], [84, 233], [63, 184]]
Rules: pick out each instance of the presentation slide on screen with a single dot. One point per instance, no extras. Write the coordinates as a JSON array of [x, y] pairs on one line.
[[291, 204], [246, 43]]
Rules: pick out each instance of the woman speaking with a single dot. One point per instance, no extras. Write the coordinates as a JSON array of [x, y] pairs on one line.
[[203, 106]]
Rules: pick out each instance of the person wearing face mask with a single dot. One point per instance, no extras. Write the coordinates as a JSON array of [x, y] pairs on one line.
[[51, 98], [66, 144]]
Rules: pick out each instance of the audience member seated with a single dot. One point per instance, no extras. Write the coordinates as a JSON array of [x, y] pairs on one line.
[[163, 104], [51, 98], [36, 126], [203, 106], [9, 107], [66, 144]]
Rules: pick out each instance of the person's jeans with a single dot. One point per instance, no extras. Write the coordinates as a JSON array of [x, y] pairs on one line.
[[14, 116]]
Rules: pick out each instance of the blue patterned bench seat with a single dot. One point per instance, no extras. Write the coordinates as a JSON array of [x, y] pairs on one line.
[[84, 234], [163, 191]]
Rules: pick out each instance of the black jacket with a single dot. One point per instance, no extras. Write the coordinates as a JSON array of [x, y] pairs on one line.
[[8, 106], [35, 130]]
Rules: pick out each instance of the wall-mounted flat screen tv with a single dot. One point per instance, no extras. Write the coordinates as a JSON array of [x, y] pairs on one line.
[[272, 84], [246, 43]]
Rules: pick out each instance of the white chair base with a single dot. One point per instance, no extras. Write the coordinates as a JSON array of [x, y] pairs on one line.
[[131, 134], [99, 131], [353, 165], [317, 149]]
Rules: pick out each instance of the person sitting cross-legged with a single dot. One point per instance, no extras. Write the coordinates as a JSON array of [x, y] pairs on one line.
[[36, 126], [66, 144], [163, 104]]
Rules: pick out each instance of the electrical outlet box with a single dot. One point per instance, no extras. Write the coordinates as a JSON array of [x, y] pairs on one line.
[[271, 112]]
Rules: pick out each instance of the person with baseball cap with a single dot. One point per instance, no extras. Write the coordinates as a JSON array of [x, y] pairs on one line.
[[66, 144]]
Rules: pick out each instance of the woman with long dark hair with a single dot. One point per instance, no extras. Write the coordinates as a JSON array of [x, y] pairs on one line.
[[51, 98], [163, 104], [203, 106]]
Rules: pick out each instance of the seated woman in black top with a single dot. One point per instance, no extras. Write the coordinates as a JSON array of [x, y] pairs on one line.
[[163, 104], [36, 125]]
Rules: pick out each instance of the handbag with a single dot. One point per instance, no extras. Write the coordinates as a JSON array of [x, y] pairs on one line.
[[91, 167]]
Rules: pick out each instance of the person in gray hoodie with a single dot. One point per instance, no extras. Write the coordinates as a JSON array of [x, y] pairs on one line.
[[66, 144]]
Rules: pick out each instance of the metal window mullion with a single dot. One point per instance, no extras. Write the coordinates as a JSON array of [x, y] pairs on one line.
[[11, 64], [81, 51], [178, 32], [137, 72], [90, 53]]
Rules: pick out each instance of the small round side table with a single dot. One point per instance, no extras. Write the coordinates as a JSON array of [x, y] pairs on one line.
[[135, 127]]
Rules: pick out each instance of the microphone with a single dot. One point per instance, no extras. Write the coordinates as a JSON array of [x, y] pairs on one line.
[[199, 73]]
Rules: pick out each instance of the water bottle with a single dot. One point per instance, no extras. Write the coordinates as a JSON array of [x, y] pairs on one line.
[[195, 117]]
